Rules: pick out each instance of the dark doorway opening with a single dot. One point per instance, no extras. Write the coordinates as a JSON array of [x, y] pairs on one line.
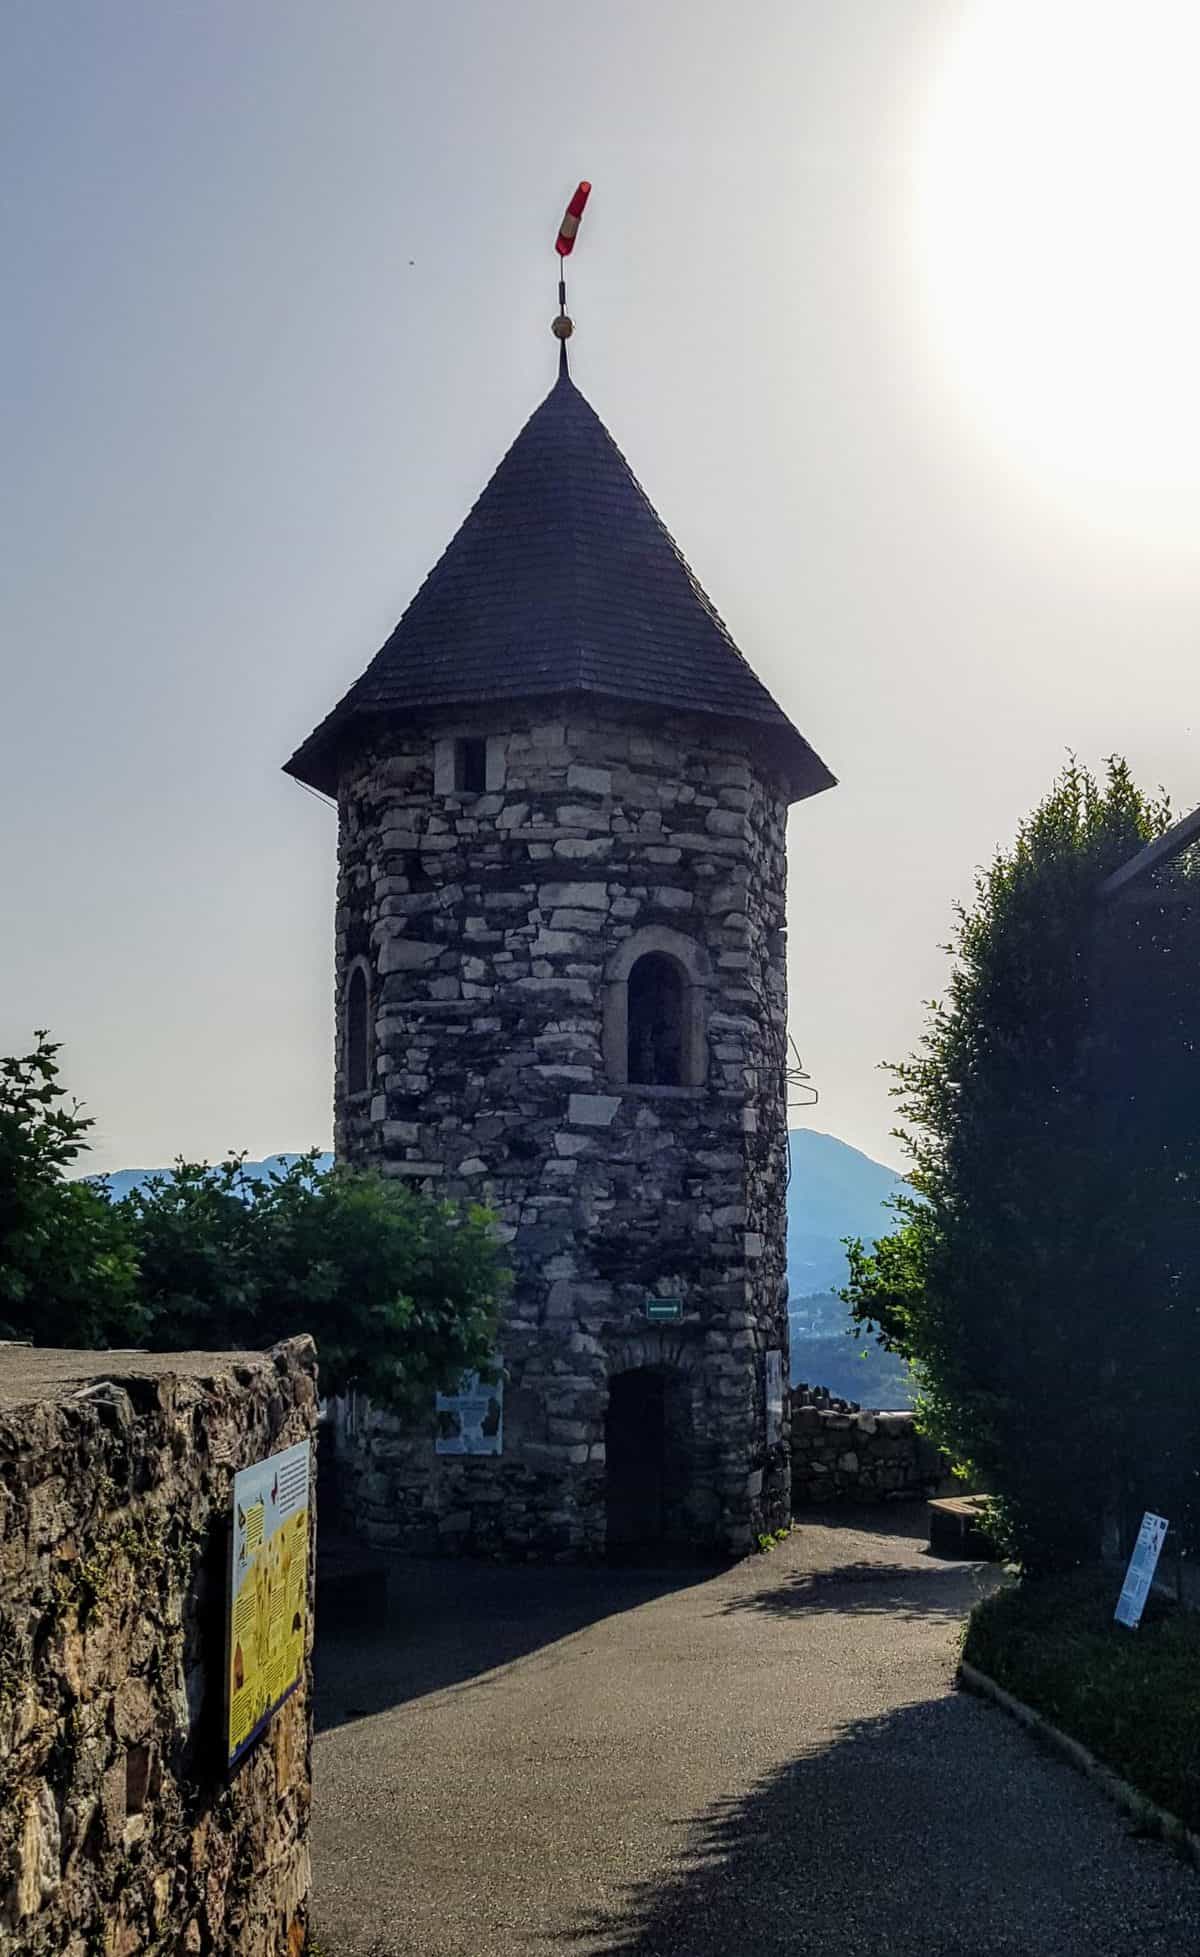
[[635, 1450], [658, 1492], [655, 1056]]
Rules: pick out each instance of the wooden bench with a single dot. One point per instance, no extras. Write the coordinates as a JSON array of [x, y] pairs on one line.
[[954, 1529]]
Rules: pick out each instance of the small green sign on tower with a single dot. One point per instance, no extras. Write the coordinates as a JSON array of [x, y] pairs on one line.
[[664, 1311]]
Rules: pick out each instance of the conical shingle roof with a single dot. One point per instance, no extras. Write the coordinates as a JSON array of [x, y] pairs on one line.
[[562, 580]]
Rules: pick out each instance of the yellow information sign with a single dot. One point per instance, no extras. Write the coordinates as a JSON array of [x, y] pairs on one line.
[[268, 1592]]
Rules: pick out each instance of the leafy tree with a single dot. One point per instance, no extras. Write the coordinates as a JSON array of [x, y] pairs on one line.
[[1012, 1283], [67, 1266], [400, 1291], [886, 1292]]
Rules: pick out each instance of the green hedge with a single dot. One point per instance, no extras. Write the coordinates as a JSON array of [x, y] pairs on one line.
[[1131, 1697]]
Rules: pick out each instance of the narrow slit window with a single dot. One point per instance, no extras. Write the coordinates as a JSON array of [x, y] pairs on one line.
[[356, 1033], [470, 765], [655, 1022]]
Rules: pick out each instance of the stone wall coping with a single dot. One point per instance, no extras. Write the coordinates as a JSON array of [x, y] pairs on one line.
[[33, 1374]]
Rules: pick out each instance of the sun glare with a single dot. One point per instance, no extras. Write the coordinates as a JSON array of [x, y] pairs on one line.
[[1055, 228]]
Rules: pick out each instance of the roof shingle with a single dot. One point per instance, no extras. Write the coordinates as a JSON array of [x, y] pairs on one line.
[[562, 580]]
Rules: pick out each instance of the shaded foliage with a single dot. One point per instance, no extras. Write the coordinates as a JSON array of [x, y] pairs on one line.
[[400, 1291], [1051, 1315], [67, 1265]]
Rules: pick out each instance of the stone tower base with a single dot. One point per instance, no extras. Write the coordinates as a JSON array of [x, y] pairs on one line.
[[655, 1457]]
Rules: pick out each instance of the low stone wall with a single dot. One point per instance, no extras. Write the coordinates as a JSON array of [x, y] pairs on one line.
[[840, 1453], [121, 1835]]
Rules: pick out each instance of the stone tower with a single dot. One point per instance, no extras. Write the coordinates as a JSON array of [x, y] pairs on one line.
[[562, 796]]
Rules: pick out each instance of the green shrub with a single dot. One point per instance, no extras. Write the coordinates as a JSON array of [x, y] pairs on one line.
[[1129, 1696], [1052, 1320], [401, 1292], [67, 1264]]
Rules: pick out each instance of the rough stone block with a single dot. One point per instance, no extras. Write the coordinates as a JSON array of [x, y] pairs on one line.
[[593, 1110], [574, 896], [556, 944], [582, 780], [583, 849], [400, 954]]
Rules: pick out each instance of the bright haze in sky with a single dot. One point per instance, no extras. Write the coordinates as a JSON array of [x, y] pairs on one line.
[[894, 310]]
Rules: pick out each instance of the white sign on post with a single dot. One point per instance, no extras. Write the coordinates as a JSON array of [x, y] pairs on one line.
[[1140, 1574]]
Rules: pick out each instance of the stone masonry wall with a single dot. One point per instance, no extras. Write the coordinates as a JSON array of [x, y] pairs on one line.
[[841, 1453], [492, 928], [120, 1833]]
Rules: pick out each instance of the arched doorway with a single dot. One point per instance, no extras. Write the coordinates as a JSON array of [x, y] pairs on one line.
[[650, 1465]]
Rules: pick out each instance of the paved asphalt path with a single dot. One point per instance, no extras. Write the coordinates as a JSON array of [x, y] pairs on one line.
[[767, 1759]]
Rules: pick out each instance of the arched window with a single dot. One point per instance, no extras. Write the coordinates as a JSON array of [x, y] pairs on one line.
[[655, 1022], [656, 1011], [358, 1041]]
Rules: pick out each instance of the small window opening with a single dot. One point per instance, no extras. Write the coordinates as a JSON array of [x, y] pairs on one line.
[[470, 765], [356, 1032], [656, 1022]]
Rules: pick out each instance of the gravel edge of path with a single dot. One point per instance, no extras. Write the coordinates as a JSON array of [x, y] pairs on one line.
[[1159, 1820]]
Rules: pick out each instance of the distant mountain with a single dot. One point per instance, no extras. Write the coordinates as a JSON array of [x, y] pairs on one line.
[[121, 1181], [835, 1191]]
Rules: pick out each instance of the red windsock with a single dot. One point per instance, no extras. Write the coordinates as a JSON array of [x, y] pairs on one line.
[[565, 241]]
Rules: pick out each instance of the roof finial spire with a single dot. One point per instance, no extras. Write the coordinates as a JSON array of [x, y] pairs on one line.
[[563, 327]]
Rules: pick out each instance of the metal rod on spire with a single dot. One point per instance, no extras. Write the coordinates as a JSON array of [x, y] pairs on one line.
[[563, 327]]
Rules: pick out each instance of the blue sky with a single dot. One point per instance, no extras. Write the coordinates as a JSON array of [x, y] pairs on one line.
[[279, 282]]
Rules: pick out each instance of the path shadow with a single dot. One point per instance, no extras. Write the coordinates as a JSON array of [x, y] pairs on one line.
[[433, 1624], [875, 1589], [931, 1831]]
